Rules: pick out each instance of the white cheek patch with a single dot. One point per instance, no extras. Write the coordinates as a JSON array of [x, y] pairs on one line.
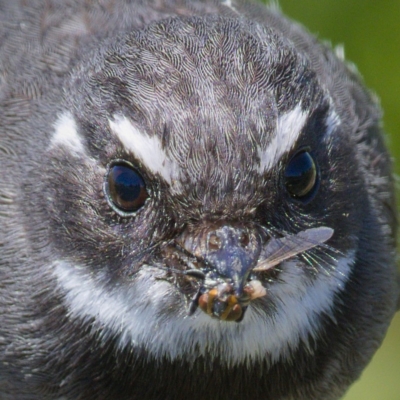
[[134, 314], [288, 129], [66, 134], [300, 304], [147, 149]]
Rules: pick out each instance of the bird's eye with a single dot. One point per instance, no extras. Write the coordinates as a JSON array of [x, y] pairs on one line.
[[301, 175], [125, 188]]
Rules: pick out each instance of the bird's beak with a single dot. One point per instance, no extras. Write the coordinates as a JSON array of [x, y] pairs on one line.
[[229, 253]]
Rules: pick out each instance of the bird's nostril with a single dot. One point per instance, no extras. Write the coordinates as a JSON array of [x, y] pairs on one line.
[[244, 239], [214, 242]]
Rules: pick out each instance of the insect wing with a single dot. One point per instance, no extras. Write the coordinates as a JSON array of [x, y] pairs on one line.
[[281, 249]]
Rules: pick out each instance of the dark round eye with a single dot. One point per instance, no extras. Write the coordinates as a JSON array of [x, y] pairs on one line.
[[300, 175], [125, 187]]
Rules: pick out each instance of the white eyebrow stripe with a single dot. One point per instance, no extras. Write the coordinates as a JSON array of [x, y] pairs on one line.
[[288, 130], [228, 3], [147, 149], [66, 134], [332, 122]]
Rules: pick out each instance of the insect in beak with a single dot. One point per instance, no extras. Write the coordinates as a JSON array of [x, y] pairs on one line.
[[227, 297]]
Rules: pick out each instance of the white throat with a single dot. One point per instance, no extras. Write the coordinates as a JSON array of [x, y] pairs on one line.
[[150, 314]]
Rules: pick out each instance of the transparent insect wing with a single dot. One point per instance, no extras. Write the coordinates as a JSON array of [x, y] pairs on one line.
[[281, 249]]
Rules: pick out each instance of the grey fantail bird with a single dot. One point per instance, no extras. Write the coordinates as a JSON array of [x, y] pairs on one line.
[[196, 202]]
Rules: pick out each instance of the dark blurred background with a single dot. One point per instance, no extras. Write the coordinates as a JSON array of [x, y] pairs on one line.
[[370, 33]]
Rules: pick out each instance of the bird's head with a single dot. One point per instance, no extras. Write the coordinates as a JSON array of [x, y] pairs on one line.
[[200, 173]]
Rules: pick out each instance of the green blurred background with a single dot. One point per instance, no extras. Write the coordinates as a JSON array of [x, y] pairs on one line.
[[370, 33]]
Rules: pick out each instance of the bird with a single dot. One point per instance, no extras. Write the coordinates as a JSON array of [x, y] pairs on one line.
[[196, 201]]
